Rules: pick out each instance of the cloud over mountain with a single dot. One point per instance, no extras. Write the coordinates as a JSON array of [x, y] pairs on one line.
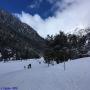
[[68, 15]]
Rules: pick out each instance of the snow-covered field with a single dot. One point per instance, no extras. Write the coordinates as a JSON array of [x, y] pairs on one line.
[[41, 77]]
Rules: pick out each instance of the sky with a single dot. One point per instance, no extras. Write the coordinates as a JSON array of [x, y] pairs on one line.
[[50, 16]]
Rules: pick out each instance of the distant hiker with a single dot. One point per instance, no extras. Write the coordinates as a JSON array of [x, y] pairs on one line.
[[29, 66], [39, 62], [24, 67]]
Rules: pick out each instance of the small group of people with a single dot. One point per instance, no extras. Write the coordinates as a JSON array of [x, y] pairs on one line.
[[28, 66]]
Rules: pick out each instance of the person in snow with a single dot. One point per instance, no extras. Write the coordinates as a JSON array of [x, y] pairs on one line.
[[39, 62], [24, 67], [29, 66]]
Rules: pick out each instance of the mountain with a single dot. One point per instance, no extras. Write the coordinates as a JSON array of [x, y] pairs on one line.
[[18, 37], [82, 32]]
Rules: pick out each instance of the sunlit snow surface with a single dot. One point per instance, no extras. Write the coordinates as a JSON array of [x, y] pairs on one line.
[[41, 77]]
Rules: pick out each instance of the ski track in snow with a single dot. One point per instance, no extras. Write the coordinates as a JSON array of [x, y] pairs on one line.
[[41, 77]]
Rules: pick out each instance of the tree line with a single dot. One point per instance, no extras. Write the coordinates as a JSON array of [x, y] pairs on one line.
[[63, 47]]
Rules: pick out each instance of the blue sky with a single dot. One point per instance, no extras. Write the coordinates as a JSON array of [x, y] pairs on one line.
[[51, 16], [42, 7]]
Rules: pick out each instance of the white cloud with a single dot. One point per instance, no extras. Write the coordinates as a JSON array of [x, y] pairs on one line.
[[77, 15], [32, 6], [35, 4]]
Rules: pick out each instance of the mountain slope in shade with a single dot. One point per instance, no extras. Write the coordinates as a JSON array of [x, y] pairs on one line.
[[17, 35]]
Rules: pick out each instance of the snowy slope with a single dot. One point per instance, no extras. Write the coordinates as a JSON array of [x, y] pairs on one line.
[[41, 77]]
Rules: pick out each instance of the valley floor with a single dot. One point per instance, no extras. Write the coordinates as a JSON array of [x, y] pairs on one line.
[[41, 77]]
